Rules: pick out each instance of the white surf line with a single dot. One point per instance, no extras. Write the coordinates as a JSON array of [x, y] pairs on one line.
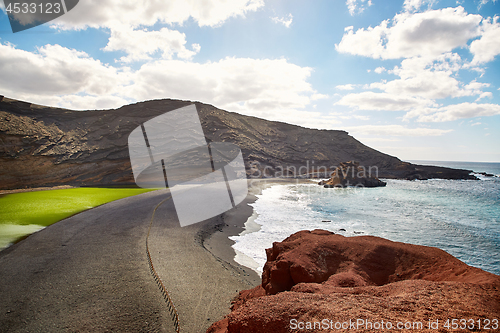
[[64, 6]]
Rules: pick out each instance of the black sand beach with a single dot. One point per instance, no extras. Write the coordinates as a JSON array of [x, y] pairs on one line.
[[90, 272]]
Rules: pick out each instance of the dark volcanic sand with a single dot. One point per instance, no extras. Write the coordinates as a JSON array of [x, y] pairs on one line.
[[90, 273]]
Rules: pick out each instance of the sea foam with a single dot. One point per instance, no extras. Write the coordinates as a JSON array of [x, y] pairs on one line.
[[460, 217]]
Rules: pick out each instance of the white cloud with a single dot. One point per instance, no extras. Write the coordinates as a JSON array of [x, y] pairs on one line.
[[58, 76], [126, 20], [345, 116], [106, 13], [56, 70], [360, 117], [258, 84], [476, 86], [142, 44], [316, 97], [414, 93], [484, 95], [476, 124], [282, 20], [488, 46], [455, 111], [345, 87], [85, 102], [357, 6], [364, 42], [310, 119], [430, 79], [430, 33], [382, 102], [394, 130], [415, 5], [429, 69], [484, 2]]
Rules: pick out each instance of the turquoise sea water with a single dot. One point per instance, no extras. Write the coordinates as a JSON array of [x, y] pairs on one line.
[[461, 217]]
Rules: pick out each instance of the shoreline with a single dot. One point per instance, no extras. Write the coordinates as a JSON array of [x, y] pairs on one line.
[[350, 224], [217, 242], [107, 244], [196, 263]]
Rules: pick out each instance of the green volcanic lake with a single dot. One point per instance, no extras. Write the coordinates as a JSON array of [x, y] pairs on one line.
[[24, 213]]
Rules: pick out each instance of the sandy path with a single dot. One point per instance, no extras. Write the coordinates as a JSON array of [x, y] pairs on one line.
[[200, 284], [88, 273]]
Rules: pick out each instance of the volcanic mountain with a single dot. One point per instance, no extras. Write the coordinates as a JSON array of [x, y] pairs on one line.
[[46, 146]]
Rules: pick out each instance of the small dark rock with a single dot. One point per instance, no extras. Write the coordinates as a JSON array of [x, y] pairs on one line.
[[352, 174]]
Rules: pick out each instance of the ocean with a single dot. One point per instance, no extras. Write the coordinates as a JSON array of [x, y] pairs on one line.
[[461, 217]]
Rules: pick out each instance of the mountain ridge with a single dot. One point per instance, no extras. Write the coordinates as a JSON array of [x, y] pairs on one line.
[[47, 146]]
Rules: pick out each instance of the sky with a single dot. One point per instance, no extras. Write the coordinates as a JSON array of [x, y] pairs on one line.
[[416, 79]]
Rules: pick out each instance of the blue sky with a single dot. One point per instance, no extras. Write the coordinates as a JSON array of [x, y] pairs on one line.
[[417, 79]]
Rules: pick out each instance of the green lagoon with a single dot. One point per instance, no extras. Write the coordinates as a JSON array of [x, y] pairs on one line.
[[24, 213]]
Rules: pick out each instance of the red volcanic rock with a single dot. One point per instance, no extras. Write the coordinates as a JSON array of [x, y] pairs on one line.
[[320, 256], [319, 277]]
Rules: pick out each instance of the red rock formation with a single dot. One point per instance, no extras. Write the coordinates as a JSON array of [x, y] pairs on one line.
[[327, 279]]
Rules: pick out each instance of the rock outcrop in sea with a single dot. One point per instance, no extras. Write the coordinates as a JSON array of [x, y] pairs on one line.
[[352, 174], [317, 280], [46, 146]]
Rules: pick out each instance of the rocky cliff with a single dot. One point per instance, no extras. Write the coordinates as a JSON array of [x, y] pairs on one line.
[[316, 280], [44, 146]]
